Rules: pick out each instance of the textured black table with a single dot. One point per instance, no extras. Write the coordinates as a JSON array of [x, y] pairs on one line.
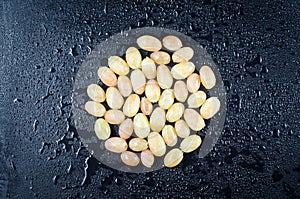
[[256, 46]]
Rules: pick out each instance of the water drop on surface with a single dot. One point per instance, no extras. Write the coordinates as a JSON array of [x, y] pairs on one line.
[[73, 52], [54, 179], [17, 100], [51, 70], [35, 123]]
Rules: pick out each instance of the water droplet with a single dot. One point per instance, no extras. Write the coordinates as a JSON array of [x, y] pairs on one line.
[[44, 144], [58, 50], [35, 123], [54, 179], [73, 52], [105, 7], [51, 70], [17, 100]]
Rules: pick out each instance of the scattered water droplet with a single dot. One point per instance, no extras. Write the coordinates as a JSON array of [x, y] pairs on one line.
[[17, 100], [54, 179], [73, 52], [44, 144], [35, 123], [51, 70]]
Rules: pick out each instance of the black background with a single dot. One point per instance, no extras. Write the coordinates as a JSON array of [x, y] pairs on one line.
[[256, 46]]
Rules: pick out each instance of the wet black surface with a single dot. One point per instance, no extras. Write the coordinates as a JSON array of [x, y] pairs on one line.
[[256, 46]]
